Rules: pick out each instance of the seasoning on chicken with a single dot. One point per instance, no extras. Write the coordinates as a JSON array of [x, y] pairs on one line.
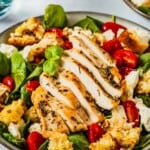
[[101, 97], [51, 121], [104, 75], [68, 79]]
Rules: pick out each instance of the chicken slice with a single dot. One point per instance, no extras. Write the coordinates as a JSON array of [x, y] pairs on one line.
[[64, 95], [71, 81], [102, 75], [50, 119], [102, 99], [78, 44], [70, 116], [101, 54]]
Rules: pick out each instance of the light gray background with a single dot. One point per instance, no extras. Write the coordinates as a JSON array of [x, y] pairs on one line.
[[23, 9]]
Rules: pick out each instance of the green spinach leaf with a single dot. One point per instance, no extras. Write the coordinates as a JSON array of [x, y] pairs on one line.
[[35, 73], [18, 69], [97, 22], [18, 142], [26, 96], [24, 129], [145, 98], [143, 142], [55, 16], [88, 23], [44, 145], [79, 141], [144, 62], [144, 9], [3, 128], [5, 65]]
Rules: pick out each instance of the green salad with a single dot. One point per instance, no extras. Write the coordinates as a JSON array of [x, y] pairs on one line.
[[75, 87]]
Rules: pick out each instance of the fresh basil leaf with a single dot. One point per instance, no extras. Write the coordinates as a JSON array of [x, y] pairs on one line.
[[18, 142], [18, 69], [145, 98], [79, 141], [4, 65], [26, 96], [55, 16], [54, 52], [44, 145], [53, 55], [50, 66], [88, 23]]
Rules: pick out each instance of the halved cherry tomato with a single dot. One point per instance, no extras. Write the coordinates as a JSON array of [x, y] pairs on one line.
[[95, 131], [112, 26], [9, 81], [67, 44], [34, 140], [58, 31], [125, 58], [112, 45], [132, 112], [32, 85], [125, 71]]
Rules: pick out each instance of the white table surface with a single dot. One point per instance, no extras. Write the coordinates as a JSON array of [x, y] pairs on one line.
[[23, 9]]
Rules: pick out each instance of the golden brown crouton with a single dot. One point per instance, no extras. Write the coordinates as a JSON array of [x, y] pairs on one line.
[[29, 32], [132, 41]]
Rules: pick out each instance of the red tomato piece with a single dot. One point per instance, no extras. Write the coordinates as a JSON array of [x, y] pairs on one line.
[[32, 85], [112, 45], [112, 26], [58, 31], [132, 112], [95, 131], [67, 44], [34, 140], [8, 81], [126, 58], [125, 71]]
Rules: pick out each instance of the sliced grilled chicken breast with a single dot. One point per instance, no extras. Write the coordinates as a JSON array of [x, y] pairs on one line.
[[50, 119], [69, 116], [63, 94], [102, 55], [68, 79], [102, 99], [78, 44], [102, 75]]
